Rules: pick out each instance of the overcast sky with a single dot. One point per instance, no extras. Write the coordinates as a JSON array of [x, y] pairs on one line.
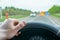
[[34, 5]]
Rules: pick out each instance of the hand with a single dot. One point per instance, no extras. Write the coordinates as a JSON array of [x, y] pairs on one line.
[[13, 27]]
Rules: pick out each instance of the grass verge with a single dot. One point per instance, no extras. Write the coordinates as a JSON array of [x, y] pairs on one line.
[[14, 16], [56, 15]]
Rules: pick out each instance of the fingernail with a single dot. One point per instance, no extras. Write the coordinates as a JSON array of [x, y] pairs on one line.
[[19, 32], [24, 22]]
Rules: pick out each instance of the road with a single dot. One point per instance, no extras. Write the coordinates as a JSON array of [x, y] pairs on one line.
[[40, 19]]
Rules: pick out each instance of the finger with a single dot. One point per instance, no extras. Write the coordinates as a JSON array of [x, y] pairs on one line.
[[19, 26], [14, 23], [24, 22]]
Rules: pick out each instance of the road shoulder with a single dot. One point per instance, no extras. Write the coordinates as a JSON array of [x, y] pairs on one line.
[[55, 20]]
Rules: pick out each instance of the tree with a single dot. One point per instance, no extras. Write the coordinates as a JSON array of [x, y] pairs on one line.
[[15, 11], [55, 9]]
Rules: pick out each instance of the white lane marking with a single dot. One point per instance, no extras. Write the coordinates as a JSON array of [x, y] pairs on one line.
[[28, 19], [55, 24], [32, 19], [53, 21]]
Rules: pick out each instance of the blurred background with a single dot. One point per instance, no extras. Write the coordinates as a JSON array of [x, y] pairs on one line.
[[25, 8]]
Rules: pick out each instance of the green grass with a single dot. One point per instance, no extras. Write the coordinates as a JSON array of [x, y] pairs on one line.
[[18, 16], [14, 16], [2, 19], [56, 15]]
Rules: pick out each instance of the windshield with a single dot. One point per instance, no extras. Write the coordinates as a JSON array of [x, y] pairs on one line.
[[43, 11], [44, 16]]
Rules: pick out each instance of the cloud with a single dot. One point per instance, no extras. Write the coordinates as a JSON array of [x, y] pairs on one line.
[[57, 2], [34, 5]]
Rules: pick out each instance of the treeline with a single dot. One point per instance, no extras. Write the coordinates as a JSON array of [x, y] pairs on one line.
[[55, 9], [15, 11]]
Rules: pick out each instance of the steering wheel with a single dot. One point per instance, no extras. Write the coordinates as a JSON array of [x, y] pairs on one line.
[[37, 31]]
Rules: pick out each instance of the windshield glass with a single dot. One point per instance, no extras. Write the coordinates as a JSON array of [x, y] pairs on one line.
[[43, 11], [40, 19]]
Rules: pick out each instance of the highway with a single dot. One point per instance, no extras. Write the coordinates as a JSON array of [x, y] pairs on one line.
[[39, 19]]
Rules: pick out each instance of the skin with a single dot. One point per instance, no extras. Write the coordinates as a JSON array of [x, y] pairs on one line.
[[13, 28], [14, 32]]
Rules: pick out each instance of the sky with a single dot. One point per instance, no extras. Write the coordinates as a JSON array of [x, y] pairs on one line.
[[33, 5]]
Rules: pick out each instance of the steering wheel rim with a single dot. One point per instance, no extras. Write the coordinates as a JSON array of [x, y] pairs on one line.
[[32, 33]]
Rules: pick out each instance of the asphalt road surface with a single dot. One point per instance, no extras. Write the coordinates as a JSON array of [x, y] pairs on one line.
[[40, 19]]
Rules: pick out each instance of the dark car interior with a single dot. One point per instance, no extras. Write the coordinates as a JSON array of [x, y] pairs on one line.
[[37, 31]]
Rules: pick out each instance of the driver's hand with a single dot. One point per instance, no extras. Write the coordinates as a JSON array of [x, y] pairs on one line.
[[13, 26]]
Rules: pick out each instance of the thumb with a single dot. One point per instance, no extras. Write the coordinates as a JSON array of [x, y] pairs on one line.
[[13, 23]]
